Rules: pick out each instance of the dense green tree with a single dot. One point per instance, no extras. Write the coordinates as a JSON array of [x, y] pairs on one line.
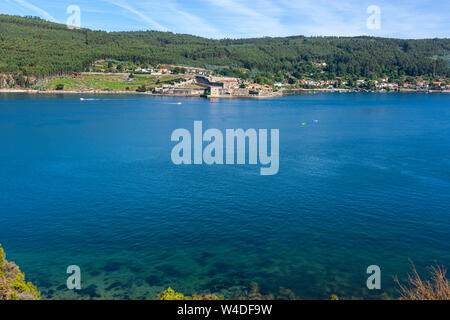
[[31, 46]]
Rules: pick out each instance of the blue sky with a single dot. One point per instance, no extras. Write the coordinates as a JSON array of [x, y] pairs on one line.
[[243, 19]]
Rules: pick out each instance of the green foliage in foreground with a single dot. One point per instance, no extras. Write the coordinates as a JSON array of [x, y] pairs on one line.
[[170, 294], [12, 282], [32, 46]]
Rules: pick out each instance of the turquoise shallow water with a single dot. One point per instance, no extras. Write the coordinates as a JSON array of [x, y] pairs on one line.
[[91, 183]]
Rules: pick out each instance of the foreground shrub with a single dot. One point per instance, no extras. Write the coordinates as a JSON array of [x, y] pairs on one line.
[[436, 288], [12, 282], [170, 294]]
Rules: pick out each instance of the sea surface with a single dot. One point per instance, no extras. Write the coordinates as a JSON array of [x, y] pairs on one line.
[[91, 183]]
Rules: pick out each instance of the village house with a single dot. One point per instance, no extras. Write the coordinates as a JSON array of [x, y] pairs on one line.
[[309, 82], [422, 84], [144, 70], [255, 86], [436, 84], [320, 64], [161, 71], [388, 85]]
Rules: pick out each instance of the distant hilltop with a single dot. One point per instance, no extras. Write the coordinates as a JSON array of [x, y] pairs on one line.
[[38, 48]]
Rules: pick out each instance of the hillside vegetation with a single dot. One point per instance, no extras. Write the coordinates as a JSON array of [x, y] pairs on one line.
[[34, 47]]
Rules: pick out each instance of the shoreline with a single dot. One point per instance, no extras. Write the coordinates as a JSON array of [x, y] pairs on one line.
[[285, 93], [125, 92]]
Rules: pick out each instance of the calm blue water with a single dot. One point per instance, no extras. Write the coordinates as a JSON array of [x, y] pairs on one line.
[[91, 183]]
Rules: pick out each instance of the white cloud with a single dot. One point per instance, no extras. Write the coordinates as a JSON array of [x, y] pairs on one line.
[[243, 19], [37, 10], [262, 19], [348, 18], [178, 19], [141, 15]]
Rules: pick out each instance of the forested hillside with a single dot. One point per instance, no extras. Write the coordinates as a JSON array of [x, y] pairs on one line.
[[31, 46]]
